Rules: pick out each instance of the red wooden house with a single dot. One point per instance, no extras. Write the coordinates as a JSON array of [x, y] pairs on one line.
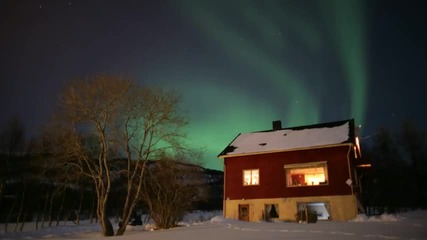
[[277, 172]]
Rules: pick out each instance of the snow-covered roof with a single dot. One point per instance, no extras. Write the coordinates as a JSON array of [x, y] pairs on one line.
[[291, 138]]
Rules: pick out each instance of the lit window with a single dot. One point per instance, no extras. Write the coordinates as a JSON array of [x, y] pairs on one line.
[[307, 174], [250, 177]]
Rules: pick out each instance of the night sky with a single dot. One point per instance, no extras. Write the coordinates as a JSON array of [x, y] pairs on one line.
[[238, 65]]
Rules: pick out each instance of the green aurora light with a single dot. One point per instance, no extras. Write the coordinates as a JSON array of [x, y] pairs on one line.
[[349, 30], [275, 72], [258, 39]]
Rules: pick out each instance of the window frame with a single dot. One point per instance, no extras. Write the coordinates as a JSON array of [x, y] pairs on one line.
[[251, 178], [288, 167]]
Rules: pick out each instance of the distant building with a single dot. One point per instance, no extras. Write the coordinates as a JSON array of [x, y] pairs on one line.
[[277, 172]]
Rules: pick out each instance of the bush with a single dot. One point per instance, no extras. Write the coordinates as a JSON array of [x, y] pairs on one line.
[[306, 215], [266, 216], [167, 192]]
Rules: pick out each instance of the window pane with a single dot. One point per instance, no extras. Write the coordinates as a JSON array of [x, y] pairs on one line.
[[255, 177], [306, 175], [246, 177]]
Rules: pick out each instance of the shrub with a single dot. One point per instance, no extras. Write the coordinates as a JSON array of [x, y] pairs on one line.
[[306, 215]]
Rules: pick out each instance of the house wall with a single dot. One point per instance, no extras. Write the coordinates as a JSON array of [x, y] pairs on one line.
[[273, 176], [342, 208]]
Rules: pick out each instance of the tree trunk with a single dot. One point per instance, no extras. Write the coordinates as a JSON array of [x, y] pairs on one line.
[[79, 209], [38, 213], [52, 198], [126, 215], [46, 201], [92, 210], [107, 227], [108, 230], [1, 191], [10, 214], [23, 222], [60, 210], [37, 220], [21, 208], [122, 228]]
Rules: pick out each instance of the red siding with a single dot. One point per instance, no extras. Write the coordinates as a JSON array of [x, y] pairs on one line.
[[272, 174]]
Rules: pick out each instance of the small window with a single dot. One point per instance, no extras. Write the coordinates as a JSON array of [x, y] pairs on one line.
[[271, 211], [307, 174], [251, 177]]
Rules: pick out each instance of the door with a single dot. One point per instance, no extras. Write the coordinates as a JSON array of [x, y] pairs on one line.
[[244, 212]]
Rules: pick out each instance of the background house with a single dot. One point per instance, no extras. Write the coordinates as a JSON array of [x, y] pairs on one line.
[[277, 172]]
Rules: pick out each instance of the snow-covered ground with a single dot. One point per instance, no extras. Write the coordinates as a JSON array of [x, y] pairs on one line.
[[211, 225]]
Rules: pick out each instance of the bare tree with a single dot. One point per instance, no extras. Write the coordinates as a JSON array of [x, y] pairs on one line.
[[13, 168], [412, 140], [397, 178], [105, 118], [12, 144], [12, 138]]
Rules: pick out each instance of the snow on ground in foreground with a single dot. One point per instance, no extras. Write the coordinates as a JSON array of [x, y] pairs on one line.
[[211, 225]]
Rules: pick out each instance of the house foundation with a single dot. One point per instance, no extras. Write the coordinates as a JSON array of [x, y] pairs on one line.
[[336, 208]]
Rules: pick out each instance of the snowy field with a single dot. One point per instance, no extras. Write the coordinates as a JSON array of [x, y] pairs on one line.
[[211, 226]]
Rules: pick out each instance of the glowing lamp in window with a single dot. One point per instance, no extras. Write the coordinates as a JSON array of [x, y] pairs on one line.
[[251, 177], [307, 174]]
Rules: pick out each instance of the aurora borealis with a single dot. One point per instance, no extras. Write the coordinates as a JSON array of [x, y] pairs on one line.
[[238, 65]]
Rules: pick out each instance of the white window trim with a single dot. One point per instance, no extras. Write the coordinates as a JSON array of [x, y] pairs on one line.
[[302, 165]]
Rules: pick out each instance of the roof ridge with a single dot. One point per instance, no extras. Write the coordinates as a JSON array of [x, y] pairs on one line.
[[311, 126], [340, 132]]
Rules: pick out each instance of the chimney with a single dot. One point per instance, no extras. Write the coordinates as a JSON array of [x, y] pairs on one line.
[[277, 125]]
